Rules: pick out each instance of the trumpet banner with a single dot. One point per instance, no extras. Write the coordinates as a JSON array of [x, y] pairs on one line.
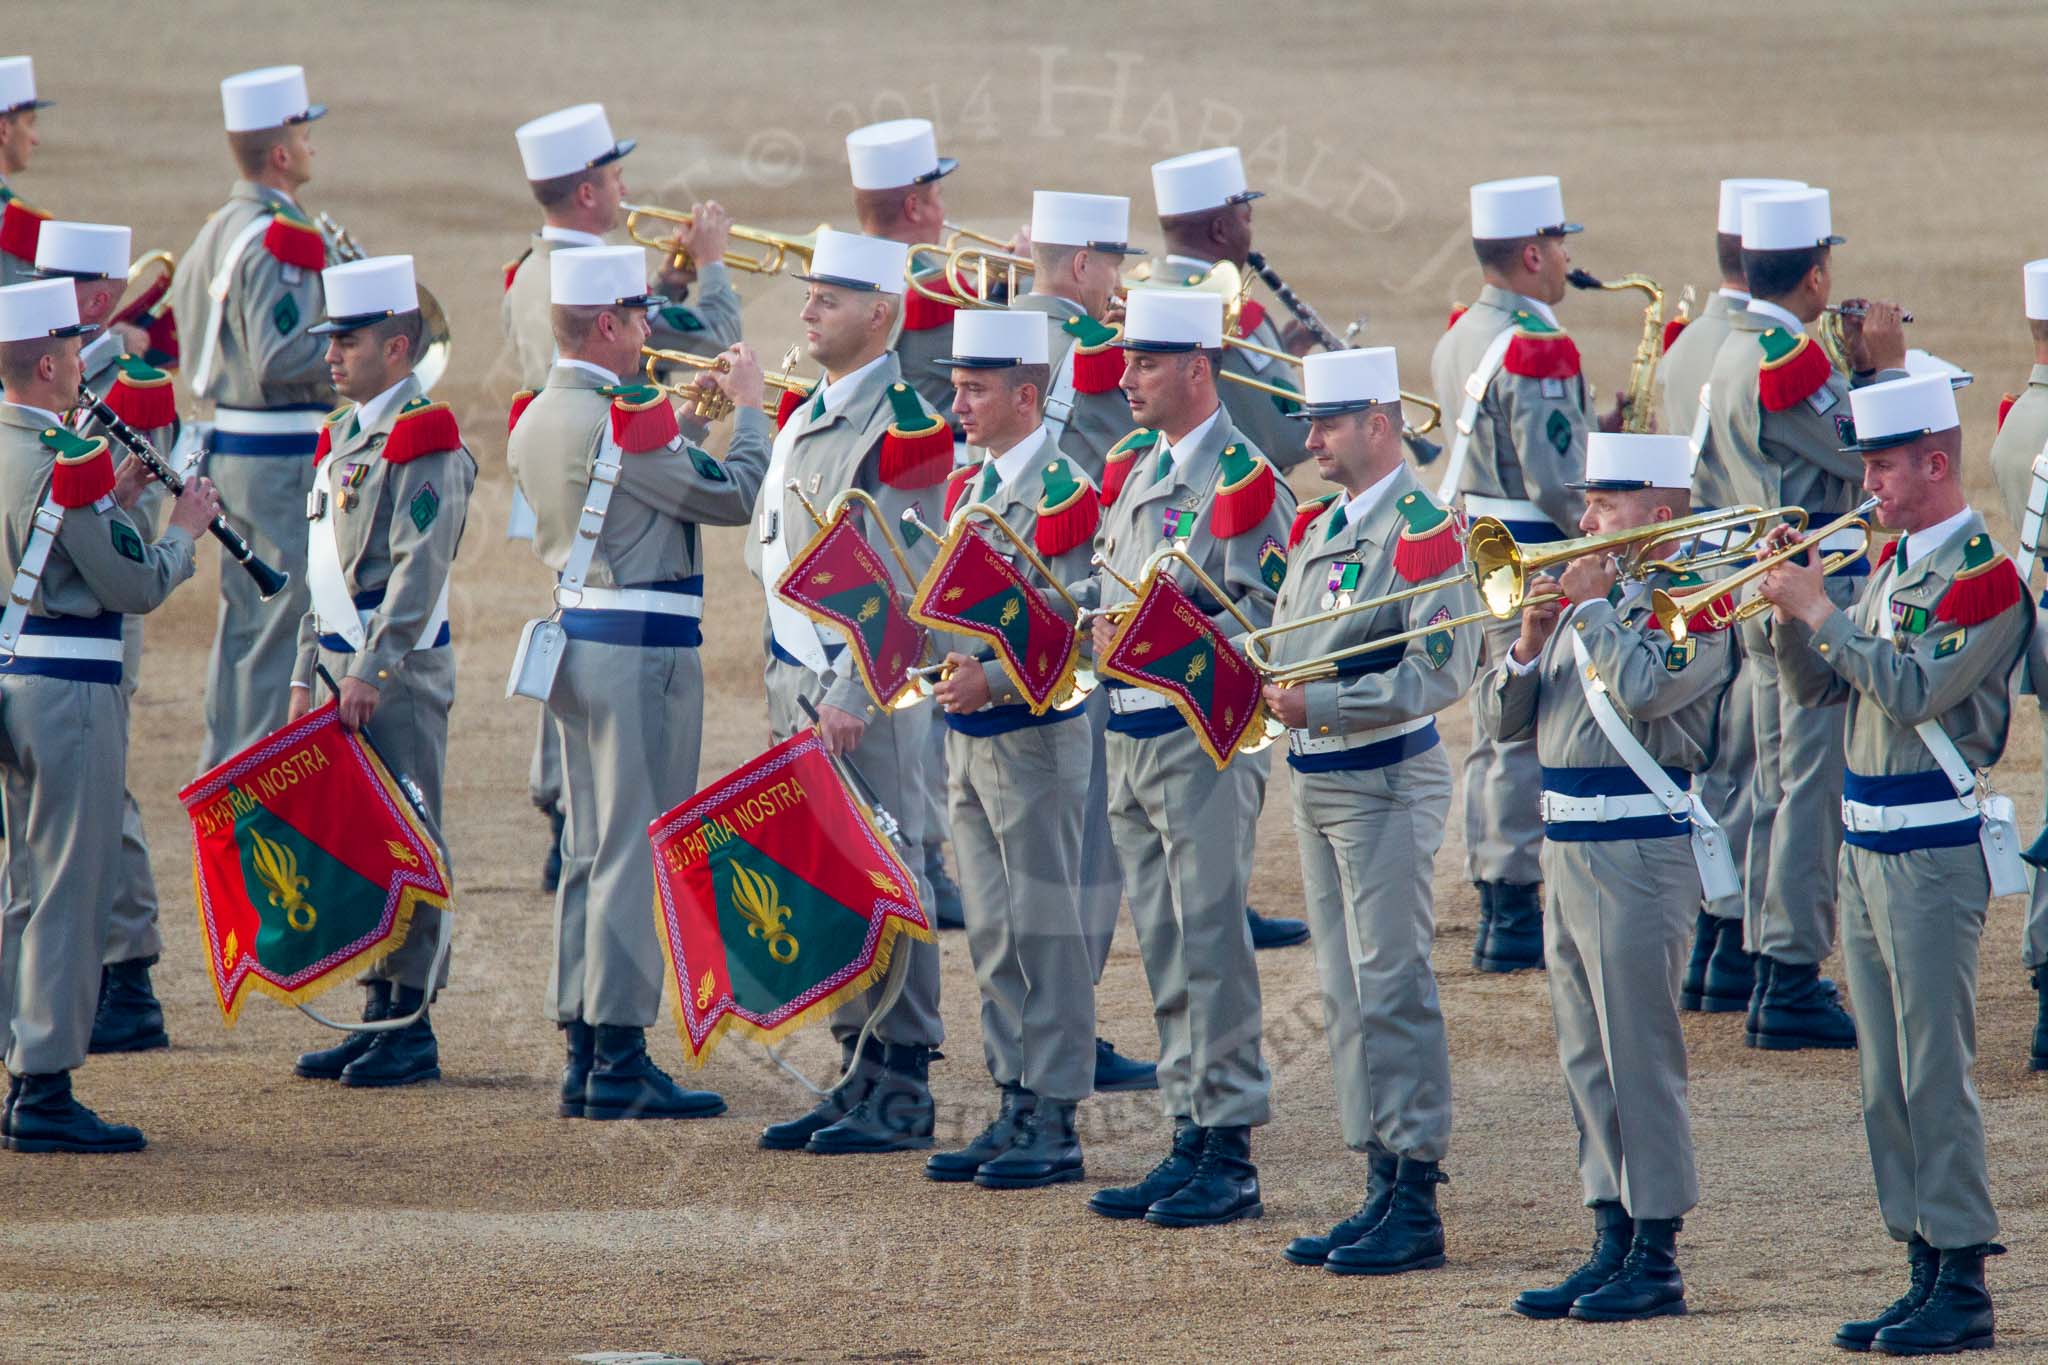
[[307, 863], [841, 580], [1166, 644], [975, 590], [776, 897]]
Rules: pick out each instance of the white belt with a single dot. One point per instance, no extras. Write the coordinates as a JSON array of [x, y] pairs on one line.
[[1503, 509], [68, 647], [1556, 807], [268, 421], [1864, 818], [1123, 701], [1301, 742], [642, 599]]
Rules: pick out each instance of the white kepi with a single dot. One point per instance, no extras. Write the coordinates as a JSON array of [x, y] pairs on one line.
[[1624, 460], [1173, 320], [1526, 206], [1901, 410], [900, 152], [270, 97], [600, 277], [40, 308], [567, 142], [1200, 180], [996, 339], [1334, 382], [91, 251], [366, 291]]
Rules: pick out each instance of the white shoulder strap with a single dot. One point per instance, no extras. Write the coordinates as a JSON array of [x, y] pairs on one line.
[[48, 521], [1475, 393], [604, 477], [1701, 425], [1059, 399], [217, 296], [326, 581], [2037, 509]]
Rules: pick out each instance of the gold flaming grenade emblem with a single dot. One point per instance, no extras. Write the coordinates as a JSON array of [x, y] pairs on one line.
[[759, 900], [277, 867]]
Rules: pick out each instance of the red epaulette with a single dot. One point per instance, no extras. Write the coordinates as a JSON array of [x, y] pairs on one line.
[[1707, 620], [1793, 369], [21, 228], [786, 405], [324, 447], [519, 402], [1249, 315], [1540, 351], [1098, 360], [2005, 403], [1672, 329], [1069, 510], [1458, 310], [84, 472], [1305, 517], [956, 484], [1429, 543], [1244, 492], [642, 419], [1988, 585], [1884, 556], [921, 314], [917, 450], [423, 427], [1122, 458], [142, 395], [295, 242]]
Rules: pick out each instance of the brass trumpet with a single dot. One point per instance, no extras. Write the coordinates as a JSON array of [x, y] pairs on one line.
[[1502, 569], [777, 248], [955, 234], [1828, 333], [1676, 611], [950, 287], [712, 404], [432, 361]]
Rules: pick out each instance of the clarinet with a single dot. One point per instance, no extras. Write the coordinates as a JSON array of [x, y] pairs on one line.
[[269, 582], [1296, 304]]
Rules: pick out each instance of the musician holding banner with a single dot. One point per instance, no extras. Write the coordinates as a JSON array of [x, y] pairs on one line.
[[1178, 802], [1622, 713], [391, 485], [1372, 789], [1016, 760], [619, 497], [81, 562]]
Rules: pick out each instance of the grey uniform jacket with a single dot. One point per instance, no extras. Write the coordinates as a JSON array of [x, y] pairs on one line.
[[1098, 420], [266, 356], [1687, 365], [2021, 438], [706, 325]]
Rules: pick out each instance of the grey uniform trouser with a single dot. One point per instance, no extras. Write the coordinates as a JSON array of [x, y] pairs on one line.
[[1796, 806], [1727, 788], [544, 770], [1615, 938], [1503, 780], [255, 643], [892, 757], [1102, 877], [630, 719], [1258, 768], [1176, 821], [2034, 946], [1017, 843], [65, 746], [132, 917], [1911, 923], [1368, 846], [410, 729]]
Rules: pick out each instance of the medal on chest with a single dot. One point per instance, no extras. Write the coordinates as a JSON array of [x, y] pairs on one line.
[[348, 490], [1178, 526], [1342, 583]]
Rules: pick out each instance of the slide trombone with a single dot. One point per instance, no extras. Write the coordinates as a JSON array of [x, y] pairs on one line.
[[1676, 611], [777, 248], [1318, 667], [712, 404]]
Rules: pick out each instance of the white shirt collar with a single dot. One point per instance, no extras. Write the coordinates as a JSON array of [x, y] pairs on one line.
[[1764, 308], [600, 371], [1738, 297], [1181, 449], [1011, 462], [377, 409], [835, 390], [1359, 505], [569, 236], [1928, 539]]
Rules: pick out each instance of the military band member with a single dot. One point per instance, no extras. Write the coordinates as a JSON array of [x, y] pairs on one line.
[[1775, 401], [1015, 778], [1610, 696], [862, 426], [19, 223], [896, 169], [1921, 663], [2022, 441], [250, 285], [1721, 973], [1078, 246], [1205, 217], [1177, 820], [391, 485], [61, 711], [1372, 788], [574, 167], [628, 698], [94, 256], [1525, 448]]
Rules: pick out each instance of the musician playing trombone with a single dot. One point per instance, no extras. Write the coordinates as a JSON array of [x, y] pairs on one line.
[[1372, 788], [1621, 709]]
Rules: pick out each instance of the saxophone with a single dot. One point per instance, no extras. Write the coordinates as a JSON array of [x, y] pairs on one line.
[[1639, 401]]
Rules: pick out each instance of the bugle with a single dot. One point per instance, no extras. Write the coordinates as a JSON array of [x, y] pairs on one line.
[[1502, 569], [777, 248], [1030, 556], [436, 340], [711, 404], [1676, 610]]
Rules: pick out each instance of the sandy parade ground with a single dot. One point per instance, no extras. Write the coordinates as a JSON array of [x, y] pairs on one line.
[[273, 1218]]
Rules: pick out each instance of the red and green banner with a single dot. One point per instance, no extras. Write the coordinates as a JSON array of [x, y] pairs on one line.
[[777, 898], [973, 589], [842, 581], [307, 863], [1167, 644]]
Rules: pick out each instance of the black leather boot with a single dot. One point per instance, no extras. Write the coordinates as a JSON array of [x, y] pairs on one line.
[[1704, 937], [551, 866], [45, 1118], [625, 1083], [1131, 1201], [404, 1056], [1274, 931], [1484, 932], [1731, 972], [795, 1134], [1801, 1011], [1756, 999], [961, 1164], [581, 1039], [129, 1019], [1515, 941], [1648, 1284], [896, 1115], [1047, 1151], [1410, 1237], [1379, 1192], [2038, 1061], [1922, 1263], [13, 1089], [1223, 1189], [1613, 1231], [947, 911], [329, 1062], [1957, 1315], [1114, 1071]]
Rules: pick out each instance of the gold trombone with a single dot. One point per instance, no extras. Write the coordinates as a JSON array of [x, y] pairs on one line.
[[1676, 611], [712, 404], [777, 248], [1318, 667], [947, 284]]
